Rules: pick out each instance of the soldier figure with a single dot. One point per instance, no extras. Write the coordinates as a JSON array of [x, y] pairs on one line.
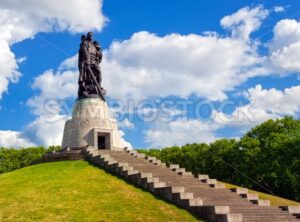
[[98, 61], [90, 56]]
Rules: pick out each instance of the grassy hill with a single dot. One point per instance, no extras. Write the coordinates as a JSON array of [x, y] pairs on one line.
[[77, 191]]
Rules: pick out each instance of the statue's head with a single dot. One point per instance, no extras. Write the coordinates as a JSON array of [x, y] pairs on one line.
[[83, 38], [89, 36]]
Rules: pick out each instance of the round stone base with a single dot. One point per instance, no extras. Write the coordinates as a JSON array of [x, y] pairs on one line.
[[91, 125]]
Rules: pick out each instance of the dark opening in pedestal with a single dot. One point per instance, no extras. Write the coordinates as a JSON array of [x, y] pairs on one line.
[[101, 142]]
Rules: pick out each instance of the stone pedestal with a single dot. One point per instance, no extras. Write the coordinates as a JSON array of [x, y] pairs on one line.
[[91, 125]]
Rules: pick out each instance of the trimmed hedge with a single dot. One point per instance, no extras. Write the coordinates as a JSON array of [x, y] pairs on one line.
[[12, 159]]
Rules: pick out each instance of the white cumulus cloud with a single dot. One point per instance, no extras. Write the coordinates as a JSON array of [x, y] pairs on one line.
[[180, 132], [279, 9], [245, 21], [263, 104], [54, 88], [13, 139], [45, 131], [147, 65], [285, 47]]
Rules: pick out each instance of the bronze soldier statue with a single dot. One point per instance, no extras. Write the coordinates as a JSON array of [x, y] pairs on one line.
[[89, 59]]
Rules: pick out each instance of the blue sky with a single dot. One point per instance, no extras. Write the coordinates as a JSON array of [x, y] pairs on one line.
[[169, 52]]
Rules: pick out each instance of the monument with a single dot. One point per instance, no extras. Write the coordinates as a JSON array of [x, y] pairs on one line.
[[91, 123]]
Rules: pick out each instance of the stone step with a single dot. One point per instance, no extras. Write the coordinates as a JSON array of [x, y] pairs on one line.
[[209, 181], [124, 168], [173, 166], [218, 185], [128, 173], [217, 199], [261, 202], [291, 209], [212, 202], [192, 202], [252, 207], [268, 220], [250, 196], [177, 170], [150, 158], [150, 179], [212, 193], [202, 176], [139, 155], [267, 217], [104, 155], [185, 173], [264, 217], [137, 178], [183, 195], [256, 207], [257, 211], [154, 185], [239, 190]]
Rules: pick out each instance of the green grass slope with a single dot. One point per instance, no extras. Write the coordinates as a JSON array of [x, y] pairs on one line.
[[77, 191]]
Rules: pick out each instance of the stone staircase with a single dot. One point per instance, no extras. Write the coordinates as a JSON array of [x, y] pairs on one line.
[[199, 194]]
